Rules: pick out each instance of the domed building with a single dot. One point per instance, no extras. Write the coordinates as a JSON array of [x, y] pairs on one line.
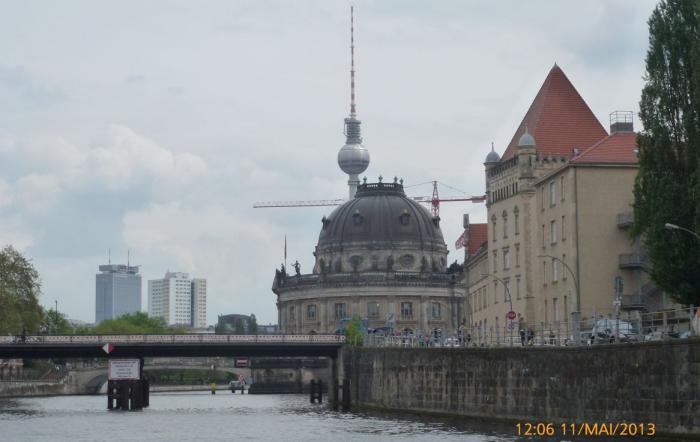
[[380, 256]]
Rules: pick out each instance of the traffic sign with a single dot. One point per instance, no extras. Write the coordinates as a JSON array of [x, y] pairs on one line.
[[108, 348], [511, 325], [511, 315]]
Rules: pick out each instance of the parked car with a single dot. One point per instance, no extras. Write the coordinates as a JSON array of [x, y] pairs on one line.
[[605, 330]]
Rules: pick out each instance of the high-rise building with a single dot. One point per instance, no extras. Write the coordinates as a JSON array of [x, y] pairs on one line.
[[117, 291], [178, 299]]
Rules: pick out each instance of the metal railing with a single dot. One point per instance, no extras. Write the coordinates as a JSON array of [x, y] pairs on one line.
[[171, 339], [633, 260], [627, 328]]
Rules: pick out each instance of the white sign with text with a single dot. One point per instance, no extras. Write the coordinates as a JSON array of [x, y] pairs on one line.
[[120, 369]]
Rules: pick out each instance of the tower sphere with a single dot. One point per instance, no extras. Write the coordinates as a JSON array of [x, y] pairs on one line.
[[492, 157], [353, 159]]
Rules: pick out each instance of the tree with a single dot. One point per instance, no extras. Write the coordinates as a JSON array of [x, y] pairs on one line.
[[55, 323], [19, 294], [353, 332], [253, 328], [667, 188], [134, 323]]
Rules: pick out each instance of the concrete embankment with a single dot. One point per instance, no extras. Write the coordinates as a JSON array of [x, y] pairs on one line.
[[655, 383]]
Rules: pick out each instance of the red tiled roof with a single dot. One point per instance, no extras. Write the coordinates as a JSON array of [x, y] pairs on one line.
[[478, 235], [617, 148], [558, 119]]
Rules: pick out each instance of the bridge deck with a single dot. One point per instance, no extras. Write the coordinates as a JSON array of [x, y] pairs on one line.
[[38, 347]]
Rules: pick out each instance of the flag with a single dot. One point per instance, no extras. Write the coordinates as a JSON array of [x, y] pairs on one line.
[[460, 242]]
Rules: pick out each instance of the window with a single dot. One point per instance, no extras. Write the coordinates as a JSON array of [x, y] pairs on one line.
[[506, 291], [339, 310], [495, 261], [566, 308], [311, 312], [495, 292], [435, 310], [493, 223], [542, 198], [505, 224], [544, 273], [292, 316], [543, 237], [373, 310], [506, 259], [561, 187], [552, 193], [516, 214], [517, 255], [406, 310], [517, 287], [546, 312], [564, 271], [555, 270], [555, 309], [563, 227], [553, 231]]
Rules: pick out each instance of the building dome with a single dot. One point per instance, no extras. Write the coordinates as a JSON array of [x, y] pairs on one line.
[[353, 159], [493, 156], [378, 229], [526, 140]]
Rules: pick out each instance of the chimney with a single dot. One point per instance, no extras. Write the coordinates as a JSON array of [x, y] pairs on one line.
[[621, 121]]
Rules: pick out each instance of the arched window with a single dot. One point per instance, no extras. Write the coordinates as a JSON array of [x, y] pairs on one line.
[[505, 224]]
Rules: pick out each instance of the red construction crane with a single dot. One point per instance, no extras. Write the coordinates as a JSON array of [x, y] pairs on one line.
[[433, 200]]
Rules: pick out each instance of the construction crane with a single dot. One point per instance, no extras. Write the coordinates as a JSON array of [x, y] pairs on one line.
[[433, 200]]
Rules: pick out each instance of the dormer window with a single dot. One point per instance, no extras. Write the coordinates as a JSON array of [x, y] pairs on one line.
[[404, 218]]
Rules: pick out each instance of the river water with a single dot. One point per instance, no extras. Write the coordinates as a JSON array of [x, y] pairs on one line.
[[226, 417]]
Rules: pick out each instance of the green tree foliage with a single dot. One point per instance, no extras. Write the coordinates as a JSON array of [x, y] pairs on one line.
[[253, 328], [55, 323], [19, 294], [353, 332], [238, 326], [135, 323], [667, 189]]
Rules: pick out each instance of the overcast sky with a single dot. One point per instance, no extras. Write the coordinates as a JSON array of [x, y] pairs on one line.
[[155, 126]]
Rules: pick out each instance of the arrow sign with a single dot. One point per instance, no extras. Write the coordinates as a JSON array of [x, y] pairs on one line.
[[108, 348]]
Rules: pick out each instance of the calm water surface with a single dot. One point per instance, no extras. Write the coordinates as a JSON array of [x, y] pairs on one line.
[[201, 416]]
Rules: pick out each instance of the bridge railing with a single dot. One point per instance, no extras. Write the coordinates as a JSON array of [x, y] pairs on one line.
[[167, 339]]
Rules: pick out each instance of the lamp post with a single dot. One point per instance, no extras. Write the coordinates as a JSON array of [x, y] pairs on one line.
[[575, 315], [670, 226], [510, 300]]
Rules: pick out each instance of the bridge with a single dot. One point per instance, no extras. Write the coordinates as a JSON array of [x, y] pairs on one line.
[[140, 346]]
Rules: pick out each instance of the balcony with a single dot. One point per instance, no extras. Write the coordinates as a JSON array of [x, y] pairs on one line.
[[625, 220], [633, 260]]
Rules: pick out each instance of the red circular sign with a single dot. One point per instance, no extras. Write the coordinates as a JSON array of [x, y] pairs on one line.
[[511, 315]]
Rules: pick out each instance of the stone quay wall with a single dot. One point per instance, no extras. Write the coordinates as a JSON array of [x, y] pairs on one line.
[[654, 382]]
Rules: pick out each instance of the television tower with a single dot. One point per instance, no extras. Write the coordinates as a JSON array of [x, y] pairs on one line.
[[353, 158]]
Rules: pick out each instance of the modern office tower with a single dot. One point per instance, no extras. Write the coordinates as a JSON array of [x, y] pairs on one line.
[[117, 291], [178, 299]]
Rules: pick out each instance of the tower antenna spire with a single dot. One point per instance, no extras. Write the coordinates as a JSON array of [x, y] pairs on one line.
[[352, 61], [353, 158]]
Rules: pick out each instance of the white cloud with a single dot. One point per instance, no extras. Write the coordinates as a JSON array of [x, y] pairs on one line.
[[232, 252]]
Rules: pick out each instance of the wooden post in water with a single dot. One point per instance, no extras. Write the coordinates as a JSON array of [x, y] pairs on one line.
[[334, 383], [316, 391], [346, 394]]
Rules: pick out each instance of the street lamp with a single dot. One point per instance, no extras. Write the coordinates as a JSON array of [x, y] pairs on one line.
[[670, 226], [575, 315], [510, 300]]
